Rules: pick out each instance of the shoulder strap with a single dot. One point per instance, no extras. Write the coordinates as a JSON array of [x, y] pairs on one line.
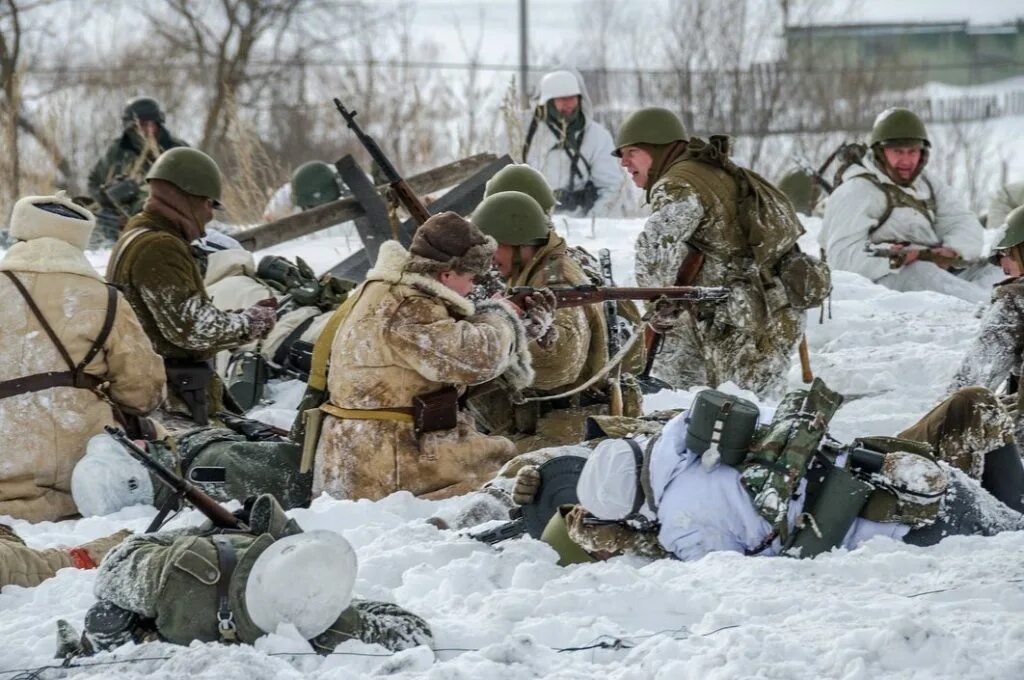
[[889, 203], [530, 132], [227, 559], [322, 346], [126, 240], [42, 320], [108, 324]]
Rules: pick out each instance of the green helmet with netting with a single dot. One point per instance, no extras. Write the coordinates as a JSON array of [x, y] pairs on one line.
[[1014, 235], [314, 183], [190, 170], [142, 108], [652, 125], [522, 177], [512, 218], [896, 125]]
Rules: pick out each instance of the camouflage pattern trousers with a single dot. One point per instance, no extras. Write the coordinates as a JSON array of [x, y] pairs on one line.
[[963, 428], [707, 353]]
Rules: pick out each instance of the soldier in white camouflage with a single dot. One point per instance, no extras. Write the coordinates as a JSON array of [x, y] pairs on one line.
[[698, 210]]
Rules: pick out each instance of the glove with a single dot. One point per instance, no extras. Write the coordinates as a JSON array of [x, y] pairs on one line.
[[539, 317], [1009, 402], [89, 555], [262, 317], [666, 314], [526, 486]]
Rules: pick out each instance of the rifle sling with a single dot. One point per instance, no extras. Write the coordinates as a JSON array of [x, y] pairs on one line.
[[76, 375], [597, 377]]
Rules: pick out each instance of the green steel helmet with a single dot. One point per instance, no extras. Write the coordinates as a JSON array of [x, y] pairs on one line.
[[1014, 235], [314, 183], [653, 125], [190, 170], [512, 218], [142, 108], [521, 177], [898, 124], [722, 420], [799, 189]]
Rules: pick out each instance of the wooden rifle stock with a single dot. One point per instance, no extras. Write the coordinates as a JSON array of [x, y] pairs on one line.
[[401, 190], [805, 361], [685, 276], [213, 510]]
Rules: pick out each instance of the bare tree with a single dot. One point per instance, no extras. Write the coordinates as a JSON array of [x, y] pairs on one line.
[[10, 53]]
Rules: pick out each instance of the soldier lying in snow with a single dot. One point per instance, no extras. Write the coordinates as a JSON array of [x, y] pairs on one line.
[[201, 585], [709, 483], [21, 565], [223, 463]]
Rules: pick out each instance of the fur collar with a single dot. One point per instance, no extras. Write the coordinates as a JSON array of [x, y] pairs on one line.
[[48, 256], [390, 267]]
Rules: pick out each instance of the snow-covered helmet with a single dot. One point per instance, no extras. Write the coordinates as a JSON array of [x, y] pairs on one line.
[[107, 479], [559, 84], [305, 580]]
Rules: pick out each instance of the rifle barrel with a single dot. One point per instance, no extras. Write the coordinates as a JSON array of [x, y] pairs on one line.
[[199, 500]]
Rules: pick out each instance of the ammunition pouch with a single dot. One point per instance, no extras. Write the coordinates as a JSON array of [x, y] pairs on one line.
[[806, 280], [189, 381], [835, 498], [571, 200], [435, 411]]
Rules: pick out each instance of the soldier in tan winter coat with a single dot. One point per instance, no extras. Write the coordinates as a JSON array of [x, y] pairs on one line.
[[71, 350], [409, 336], [21, 565]]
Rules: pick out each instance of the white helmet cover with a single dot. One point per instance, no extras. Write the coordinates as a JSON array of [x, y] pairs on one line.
[[107, 479], [559, 84], [305, 579], [607, 487]]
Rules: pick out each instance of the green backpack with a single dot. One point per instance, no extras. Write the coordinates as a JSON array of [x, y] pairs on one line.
[[771, 227]]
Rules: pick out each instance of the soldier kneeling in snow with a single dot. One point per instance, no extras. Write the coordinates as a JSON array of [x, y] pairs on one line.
[[713, 480], [195, 584]]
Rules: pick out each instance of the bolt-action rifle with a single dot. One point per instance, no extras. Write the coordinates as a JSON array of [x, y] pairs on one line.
[[897, 256], [182, 488], [403, 193], [577, 296]]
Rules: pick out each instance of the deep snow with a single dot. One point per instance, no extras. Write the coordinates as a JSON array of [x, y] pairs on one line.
[[883, 610]]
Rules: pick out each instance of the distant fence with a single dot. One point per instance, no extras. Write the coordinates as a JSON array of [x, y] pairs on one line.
[[772, 99]]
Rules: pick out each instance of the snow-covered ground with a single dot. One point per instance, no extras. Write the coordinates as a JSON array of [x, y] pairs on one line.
[[883, 610]]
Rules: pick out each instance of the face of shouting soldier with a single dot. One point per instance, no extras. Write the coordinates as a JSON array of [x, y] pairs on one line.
[[902, 161], [637, 163]]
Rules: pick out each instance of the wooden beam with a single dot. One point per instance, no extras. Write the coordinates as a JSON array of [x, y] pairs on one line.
[[345, 209]]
